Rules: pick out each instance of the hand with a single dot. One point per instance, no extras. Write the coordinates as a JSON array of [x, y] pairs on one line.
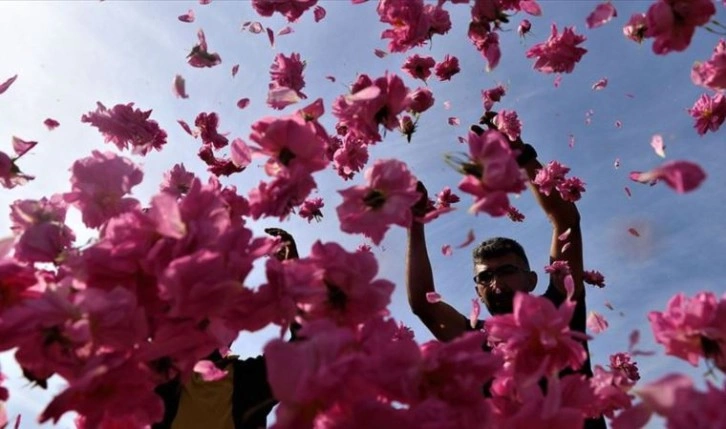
[[288, 248], [421, 207]]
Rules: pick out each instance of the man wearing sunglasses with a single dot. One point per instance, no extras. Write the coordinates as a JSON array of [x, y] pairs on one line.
[[501, 268]]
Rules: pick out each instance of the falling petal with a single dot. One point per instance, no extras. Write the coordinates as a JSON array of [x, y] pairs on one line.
[[447, 105], [629, 95], [200, 56], [602, 14], [187, 17], [235, 69], [21, 147], [446, 250], [593, 277], [271, 36], [240, 153], [596, 323], [462, 139], [627, 191], [658, 146], [634, 232], [571, 141], [565, 235], [454, 121], [5, 85], [609, 306], [681, 176], [569, 286], [284, 31], [433, 297], [282, 97], [365, 94], [531, 7], [565, 247], [204, 2], [470, 237], [600, 84], [167, 216], [51, 124], [616, 164], [380, 53], [475, 312], [515, 215], [319, 13], [633, 339], [253, 27], [243, 102], [558, 80], [618, 124], [330, 78], [186, 127], [208, 371], [179, 87]]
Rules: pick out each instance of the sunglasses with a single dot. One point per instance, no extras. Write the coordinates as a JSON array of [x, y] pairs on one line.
[[486, 278]]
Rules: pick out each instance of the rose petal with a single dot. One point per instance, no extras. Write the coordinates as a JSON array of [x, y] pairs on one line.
[[470, 237], [235, 69], [243, 102], [21, 147], [284, 31], [51, 124], [185, 127], [208, 371], [454, 121], [565, 235], [380, 53], [634, 232], [602, 14], [253, 27], [271, 37], [5, 85], [240, 153], [627, 191], [187, 17], [330, 78], [596, 323], [446, 250], [179, 87], [682, 176], [600, 84], [282, 96], [432, 297], [319, 13], [658, 146], [475, 312]]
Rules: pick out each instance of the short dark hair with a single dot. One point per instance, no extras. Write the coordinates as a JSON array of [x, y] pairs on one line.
[[496, 247]]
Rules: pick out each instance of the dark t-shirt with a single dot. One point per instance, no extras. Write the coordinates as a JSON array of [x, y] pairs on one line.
[[577, 323], [252, 398]]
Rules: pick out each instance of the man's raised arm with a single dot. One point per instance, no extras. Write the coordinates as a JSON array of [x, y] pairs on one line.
[[563, 216], [444, 322]]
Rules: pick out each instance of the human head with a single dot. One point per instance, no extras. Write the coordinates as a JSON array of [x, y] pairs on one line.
[[505, 258]]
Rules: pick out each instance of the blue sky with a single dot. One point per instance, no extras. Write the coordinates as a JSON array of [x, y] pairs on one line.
[[68, 55]]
